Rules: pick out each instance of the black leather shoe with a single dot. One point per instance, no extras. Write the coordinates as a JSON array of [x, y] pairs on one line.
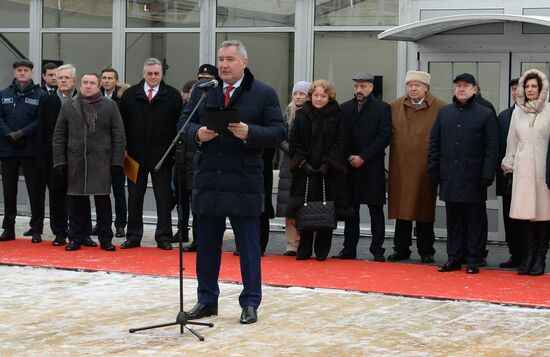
[[427, 259], [249, 315], [88, 242], [36, 238], [345, 255], [472, 269], [449, 266], [200, 310], [321, 259], [164, 246], [176, 238], [482, 262], [95, 231], [108, 246], [8, 234], [235, 253], [396, 257], [59, 240], [510, 263], [119, 232], [28, 233], [290, 253], [72, 246], [130, 244], [379, 258], [191, 248]]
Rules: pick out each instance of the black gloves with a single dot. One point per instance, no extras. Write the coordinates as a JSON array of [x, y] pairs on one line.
[[485, 182], [308, 170], [61, 171], [323, 170], [16, 138], [116, 170]]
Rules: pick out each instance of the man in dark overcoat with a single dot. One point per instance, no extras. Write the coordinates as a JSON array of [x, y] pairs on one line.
[[462, 159], [150, 111], [18, 122], [47, 118], [110, 89], [512, 227], [88, 148], [368, 122], [228, 179]]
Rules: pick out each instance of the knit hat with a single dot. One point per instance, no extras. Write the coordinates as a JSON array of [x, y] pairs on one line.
[[301, 86], [418, 76]]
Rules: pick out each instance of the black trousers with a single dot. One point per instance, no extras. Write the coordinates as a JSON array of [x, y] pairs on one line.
[[80, 218], [136, 193], [119, 192], [184, 211], [378, 230], [320, 244], [465, 231], [425, 237], [536, 236], [264, 232], [59, 214], [33, 181], [512, 229]]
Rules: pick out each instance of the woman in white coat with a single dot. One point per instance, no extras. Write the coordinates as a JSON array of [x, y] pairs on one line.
[[526, 157]]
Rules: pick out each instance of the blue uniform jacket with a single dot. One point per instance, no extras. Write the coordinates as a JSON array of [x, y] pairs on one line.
[[19, 111]]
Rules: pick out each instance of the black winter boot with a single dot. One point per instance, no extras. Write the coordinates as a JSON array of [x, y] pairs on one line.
[[526, 265], [538, 266]]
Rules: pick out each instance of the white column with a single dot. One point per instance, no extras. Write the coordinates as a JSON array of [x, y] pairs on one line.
[[118, 55], [35, 39], [303, 40], [207, 37]]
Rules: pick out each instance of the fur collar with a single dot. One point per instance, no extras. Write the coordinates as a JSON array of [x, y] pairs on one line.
[[537, 105]]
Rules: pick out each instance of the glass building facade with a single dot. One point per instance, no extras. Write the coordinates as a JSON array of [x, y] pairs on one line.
[[287, 40]]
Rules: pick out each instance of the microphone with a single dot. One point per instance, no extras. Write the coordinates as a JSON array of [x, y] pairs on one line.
[[210, 84]]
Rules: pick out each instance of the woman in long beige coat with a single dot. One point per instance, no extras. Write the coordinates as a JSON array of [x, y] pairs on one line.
[[526, 157]]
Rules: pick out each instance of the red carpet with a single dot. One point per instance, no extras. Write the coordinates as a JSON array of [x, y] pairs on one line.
[[504, 287]]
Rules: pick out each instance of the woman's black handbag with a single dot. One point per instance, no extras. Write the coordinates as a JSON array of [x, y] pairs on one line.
[[317, 215]]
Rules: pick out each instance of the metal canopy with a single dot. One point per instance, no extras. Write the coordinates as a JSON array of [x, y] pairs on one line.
[[418, 30]]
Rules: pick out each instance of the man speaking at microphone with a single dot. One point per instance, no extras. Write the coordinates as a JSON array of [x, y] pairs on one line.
[[228, 178]]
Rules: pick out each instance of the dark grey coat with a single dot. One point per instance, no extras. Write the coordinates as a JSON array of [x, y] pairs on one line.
[[285, 176], [88, 156], [463, 152]]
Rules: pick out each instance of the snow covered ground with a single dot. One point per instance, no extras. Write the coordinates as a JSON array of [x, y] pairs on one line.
[[48, 312]]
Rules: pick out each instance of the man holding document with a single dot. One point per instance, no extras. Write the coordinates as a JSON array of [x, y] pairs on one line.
[[228, 175], [150, 111]]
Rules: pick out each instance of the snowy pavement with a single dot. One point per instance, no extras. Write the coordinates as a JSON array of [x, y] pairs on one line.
[[48, 312]]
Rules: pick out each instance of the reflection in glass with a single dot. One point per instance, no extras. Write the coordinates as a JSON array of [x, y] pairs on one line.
[[544, 67], [369, 55], [14, 13], [356, 12], [89, 52], [13, 46], [163, 13], [78, 13], [270, 59], [254, 13], [180, 51]]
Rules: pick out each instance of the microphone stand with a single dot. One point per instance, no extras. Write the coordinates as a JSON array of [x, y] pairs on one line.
[[181, 319]]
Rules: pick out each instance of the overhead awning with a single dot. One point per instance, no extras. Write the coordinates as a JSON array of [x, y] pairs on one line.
[[418, 30]]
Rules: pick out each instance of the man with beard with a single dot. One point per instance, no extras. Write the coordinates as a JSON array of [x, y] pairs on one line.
[[368, 122]]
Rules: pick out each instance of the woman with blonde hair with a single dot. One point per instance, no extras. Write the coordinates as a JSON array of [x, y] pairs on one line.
[[317, 160], [299, 97], [527, 158]]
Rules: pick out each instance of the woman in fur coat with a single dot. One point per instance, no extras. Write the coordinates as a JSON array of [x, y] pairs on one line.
[[317, 152], [527, 158]]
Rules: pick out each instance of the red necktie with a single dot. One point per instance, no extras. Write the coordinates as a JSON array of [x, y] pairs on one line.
[[227, 97], [150, 94]]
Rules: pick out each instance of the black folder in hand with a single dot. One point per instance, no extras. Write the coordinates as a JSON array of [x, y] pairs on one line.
[[218, 120]]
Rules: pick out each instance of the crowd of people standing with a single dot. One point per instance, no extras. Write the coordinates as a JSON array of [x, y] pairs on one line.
[[74, 141]]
